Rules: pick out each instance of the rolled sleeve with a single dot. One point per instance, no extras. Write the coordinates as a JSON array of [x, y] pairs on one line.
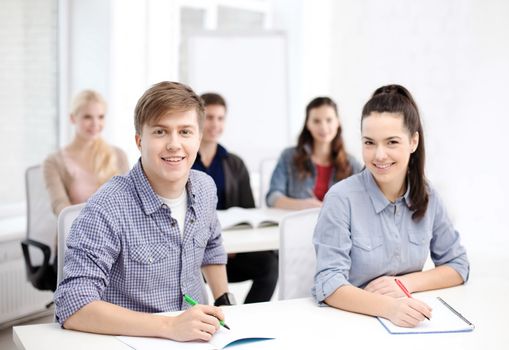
[[446, 247], [92, 248], [332, 241], [215, 254]]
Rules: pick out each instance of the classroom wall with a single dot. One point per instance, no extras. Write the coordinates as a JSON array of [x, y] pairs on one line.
[[453, 56]]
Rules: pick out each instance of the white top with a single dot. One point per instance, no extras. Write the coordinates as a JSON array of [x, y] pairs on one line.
[[178, 208]]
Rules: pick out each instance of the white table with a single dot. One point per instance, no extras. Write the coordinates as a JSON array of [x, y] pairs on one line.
[[251, 239], [300, 323]]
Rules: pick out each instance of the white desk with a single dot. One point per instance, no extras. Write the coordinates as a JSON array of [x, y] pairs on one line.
[[251, 240], [299, 324]]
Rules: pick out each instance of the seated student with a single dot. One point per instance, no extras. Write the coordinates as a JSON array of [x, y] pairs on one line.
[[144, 239], [75, 172], [234, 189], [304, 173], [383, 222]]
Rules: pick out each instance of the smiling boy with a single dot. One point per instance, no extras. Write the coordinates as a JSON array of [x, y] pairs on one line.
[[144, 239]]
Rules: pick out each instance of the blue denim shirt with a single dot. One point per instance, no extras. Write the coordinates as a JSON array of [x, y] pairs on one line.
[[360, 235], [126, 249], [285, 180]]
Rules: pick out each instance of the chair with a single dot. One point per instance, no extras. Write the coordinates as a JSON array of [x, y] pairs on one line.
[[65, 220], [38, 247], [266, 168], [297, 260]]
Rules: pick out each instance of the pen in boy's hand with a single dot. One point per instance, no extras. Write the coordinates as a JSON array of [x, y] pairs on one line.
[[193, 302], [407, 293]]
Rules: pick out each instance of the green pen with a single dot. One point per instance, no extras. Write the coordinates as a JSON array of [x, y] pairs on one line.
[[193, 302]]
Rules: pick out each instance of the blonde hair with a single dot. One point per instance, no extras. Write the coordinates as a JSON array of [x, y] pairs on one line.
[[103, 156]]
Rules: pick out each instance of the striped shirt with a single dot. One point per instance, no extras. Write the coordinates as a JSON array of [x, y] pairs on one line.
[[126, 248]]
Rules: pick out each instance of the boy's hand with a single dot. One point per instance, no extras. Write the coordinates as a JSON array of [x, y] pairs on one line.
[[197, 323]]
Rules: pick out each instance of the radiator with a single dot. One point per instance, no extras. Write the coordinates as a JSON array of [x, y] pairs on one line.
[[17, 296]]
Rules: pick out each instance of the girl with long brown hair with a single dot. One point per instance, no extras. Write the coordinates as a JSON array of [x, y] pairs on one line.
[[304, 173]]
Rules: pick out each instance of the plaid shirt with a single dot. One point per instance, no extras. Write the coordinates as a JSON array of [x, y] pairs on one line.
[[126, 249]]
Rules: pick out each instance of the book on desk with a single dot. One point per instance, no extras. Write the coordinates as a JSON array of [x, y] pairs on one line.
[[236, 217], [221, 339]]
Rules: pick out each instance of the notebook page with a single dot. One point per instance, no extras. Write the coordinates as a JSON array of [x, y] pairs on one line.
[[442, 320]]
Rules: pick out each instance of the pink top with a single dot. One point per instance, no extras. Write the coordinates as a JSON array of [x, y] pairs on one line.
[[83, 183]]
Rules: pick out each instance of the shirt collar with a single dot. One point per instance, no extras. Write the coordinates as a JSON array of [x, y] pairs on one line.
[[221, 151], [377, 197], [150, 202]]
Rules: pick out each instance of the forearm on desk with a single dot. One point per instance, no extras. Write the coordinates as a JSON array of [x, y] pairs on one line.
[[350, 298], [215, 275], [106, 318], [284, 202], [439, 277]]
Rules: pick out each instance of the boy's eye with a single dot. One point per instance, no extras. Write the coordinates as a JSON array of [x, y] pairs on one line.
[[366, 142], [186, 132], [158, 132]]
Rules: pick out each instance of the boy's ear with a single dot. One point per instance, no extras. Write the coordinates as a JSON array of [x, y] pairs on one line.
[[137, 138]]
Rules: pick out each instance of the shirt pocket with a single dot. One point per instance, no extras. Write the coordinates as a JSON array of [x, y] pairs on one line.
[[200, 241], [149, 265], [366, 255], [366, 242], [419, 242]]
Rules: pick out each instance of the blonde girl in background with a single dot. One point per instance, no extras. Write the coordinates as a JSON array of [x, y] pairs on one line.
[[73, 173]]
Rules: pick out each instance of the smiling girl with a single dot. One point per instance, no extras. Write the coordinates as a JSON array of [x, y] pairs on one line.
[[75, 172], [384, 222], [305, 173]]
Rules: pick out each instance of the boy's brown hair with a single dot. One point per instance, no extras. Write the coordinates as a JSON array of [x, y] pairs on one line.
[[163, 98]]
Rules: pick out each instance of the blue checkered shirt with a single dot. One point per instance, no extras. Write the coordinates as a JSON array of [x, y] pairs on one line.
[[126, 249]]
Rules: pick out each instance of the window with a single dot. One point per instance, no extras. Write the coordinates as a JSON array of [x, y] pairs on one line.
[[28, 93]]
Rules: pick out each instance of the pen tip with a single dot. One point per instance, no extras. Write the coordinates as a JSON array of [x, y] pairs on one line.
[[225, 326]]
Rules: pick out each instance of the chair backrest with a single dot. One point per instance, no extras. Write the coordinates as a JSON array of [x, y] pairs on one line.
[[266, 168], [297, 260], [41, 221], [65, 220]]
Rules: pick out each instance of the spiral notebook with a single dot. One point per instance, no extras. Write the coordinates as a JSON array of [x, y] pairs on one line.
[[444, 319]]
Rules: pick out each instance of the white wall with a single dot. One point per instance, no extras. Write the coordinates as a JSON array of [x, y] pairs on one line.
[[119, 48], [452, 55], [454, 58]]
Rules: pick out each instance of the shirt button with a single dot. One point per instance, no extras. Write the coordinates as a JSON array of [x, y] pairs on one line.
[[191, 221], [164, 206], [173, 223], [150, 260]]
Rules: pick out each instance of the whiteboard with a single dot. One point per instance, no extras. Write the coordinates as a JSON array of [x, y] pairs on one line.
[[250, 72]]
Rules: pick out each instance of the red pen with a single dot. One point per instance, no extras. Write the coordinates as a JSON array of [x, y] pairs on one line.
[[407, 293]]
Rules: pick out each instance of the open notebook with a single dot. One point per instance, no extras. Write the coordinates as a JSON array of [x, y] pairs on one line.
[[221, 339], [444, 319], [236, 217]]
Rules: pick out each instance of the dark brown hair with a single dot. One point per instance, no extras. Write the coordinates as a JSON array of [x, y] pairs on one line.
[[211, 98], [338, 154], [166, 97], [397, 99]]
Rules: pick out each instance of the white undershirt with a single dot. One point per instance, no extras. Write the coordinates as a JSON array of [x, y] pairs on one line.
[[178, 208]]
